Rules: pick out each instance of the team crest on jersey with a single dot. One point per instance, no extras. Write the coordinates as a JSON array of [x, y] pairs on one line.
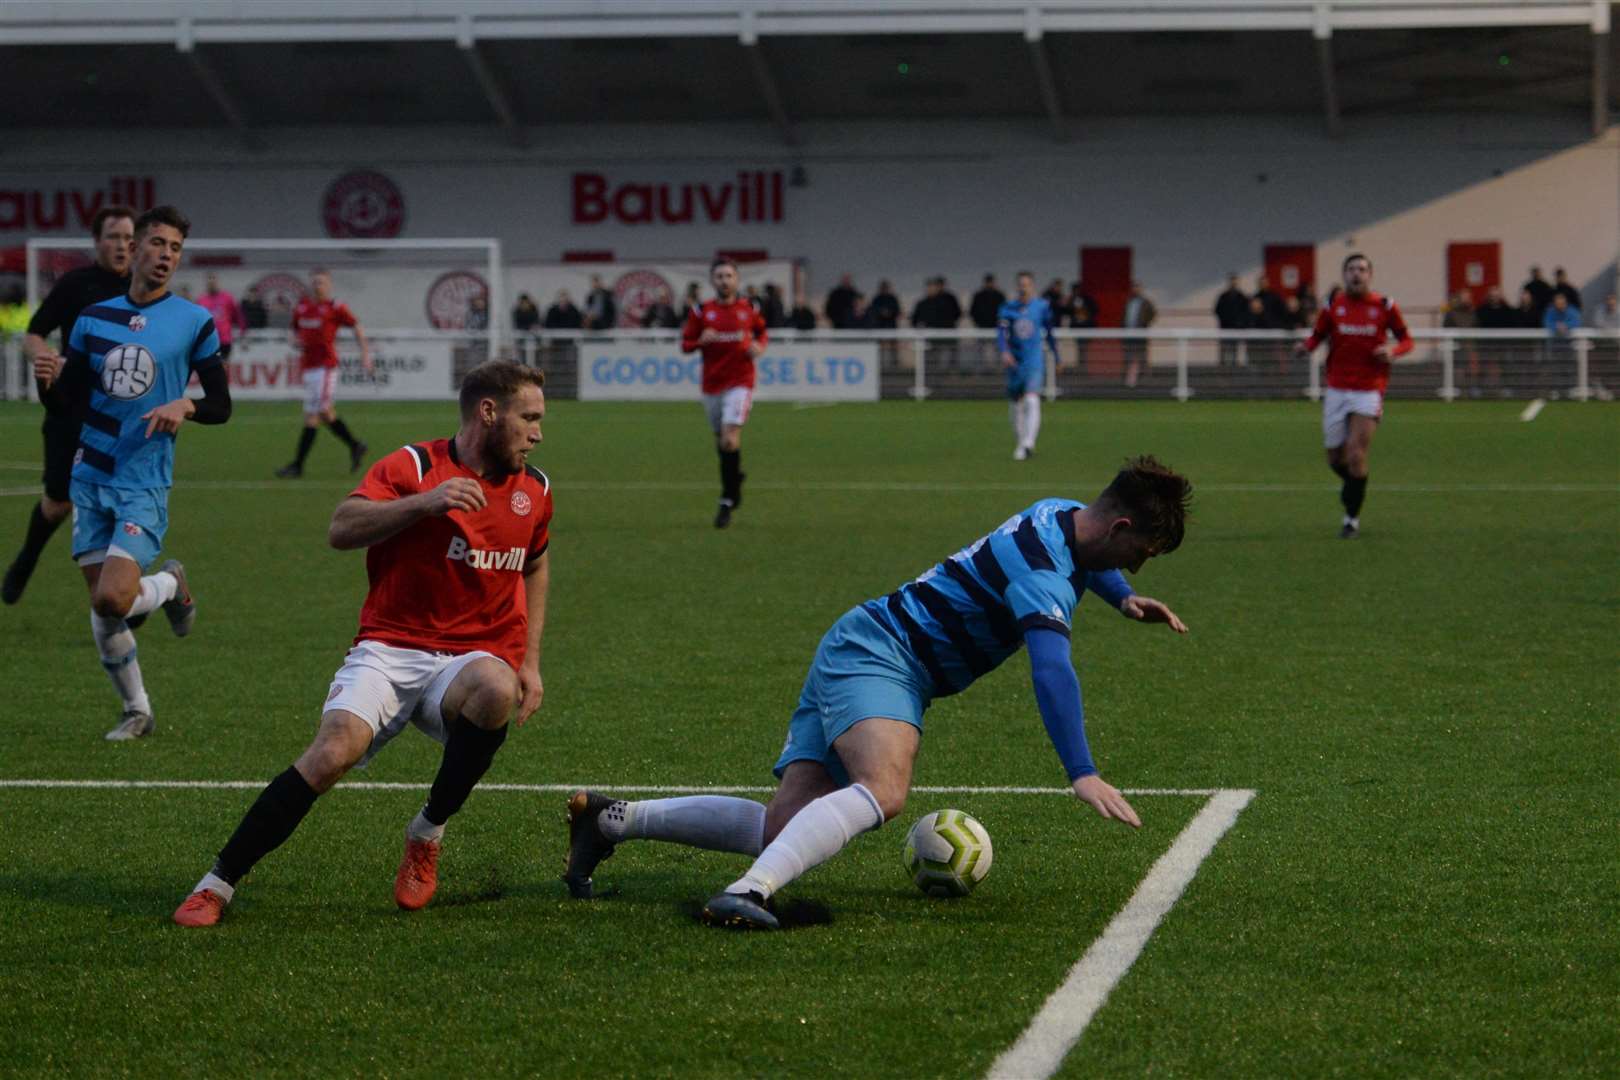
[[521, 503], [132, 529], [137, 322], [1024, 328], [127, 372]]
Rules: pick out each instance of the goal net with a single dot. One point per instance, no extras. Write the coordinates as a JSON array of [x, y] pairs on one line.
[[431, 308]]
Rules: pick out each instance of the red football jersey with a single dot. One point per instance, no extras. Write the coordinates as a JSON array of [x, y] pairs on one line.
[[726, 359], [1353, 327], [454, 582], [317, 323]]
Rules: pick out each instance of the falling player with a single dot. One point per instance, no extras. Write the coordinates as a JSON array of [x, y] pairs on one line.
[[846, 767], [128, 362], [113, 230], [315, 323], [456, 533], [1356, 326], [1023, 329], [731, 333]]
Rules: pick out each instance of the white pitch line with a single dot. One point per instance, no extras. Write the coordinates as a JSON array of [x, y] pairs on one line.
[[628, 789], [1063, 1019], [1532, 410]]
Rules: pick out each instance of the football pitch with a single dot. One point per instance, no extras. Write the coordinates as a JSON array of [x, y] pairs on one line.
[[1424, 882]]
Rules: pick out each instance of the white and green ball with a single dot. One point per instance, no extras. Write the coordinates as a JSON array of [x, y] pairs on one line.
[[947, 853]]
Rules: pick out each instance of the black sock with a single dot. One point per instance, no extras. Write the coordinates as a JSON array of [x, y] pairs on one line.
[[1342, 472], [40, 529], [1354, 493], [306, 439], [466, 759], [267, 824], [341, 430], [731, 476]]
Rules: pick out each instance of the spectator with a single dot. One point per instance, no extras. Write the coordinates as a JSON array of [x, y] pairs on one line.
[[1231, 313], [1460, 315], [802, 317], [692, 301], [1561, 321], [1604, 373], [253, 310], [884, 311], [751, 294], [1541, 294], [1139, 315], [840, 306], [1496, 314], [986, 302], [773, 308], [939, 309], [1530, 316], [1293, 314], [226, 313], [601, 313], [1083, 294], [477, 317], [1608, 316], [1054, 295], [1276, 310], [1562, 287], [1080, 316], [525, 314], [660, 315], [14, 313], [1307, 303], [563, 315]]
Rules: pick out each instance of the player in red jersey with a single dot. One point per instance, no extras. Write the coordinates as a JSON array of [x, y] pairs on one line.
[[315, 323], [731, 333], [456, 533], [1357, 326]]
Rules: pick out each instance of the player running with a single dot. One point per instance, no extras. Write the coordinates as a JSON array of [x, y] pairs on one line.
[[846, 767], [731, 333], [129, 360], [1023, 327], [315, 324], [1356, 327], [113, 230], [456, 532]]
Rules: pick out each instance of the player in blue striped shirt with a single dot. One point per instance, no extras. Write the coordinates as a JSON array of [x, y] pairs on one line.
[[124, 377], [846, 767], [1023, 330]]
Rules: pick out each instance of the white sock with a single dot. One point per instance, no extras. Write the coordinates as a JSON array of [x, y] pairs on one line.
[[216, 885], [421, 828], [1032, 419], [117, 647], [715, 822], [816, 834], [156, 590], [1015, 410]]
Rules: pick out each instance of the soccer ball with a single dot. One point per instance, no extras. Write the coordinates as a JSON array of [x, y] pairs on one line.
[[947, 853]]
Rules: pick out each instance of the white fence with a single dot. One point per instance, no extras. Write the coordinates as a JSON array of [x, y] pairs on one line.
[[864, 365]]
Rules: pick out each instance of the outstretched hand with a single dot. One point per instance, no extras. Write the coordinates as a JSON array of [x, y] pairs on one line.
[[1106, 800], [1147, 609]]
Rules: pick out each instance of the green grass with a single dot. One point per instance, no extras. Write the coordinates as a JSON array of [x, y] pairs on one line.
[[1427, 883]]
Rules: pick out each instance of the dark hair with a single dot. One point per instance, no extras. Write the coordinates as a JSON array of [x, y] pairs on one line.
[[498, 379], [1026, 273], [1154, 496], [722, 260], [163, 215], [106, 214], [1352, 257]]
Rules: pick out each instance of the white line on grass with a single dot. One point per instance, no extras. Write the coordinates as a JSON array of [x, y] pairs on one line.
[[1532, 410], [1058, 1026], [628, 789]]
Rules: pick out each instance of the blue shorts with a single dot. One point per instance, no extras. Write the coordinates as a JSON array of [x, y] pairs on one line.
[[118, 521], [860, 671], [1028, 377]]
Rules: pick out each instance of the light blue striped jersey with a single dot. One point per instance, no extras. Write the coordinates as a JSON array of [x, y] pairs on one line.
[[141, 356], [969, 613], [1021, 328]]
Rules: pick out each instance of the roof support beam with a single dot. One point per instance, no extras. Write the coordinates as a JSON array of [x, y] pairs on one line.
[[764, 79], [499, 102], [1322, 32], [1035, 38], [186, 44], [1600, 68]]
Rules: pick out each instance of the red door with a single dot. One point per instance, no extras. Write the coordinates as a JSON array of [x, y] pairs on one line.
[[1290, 266], [1106, 274], [1473, 267]]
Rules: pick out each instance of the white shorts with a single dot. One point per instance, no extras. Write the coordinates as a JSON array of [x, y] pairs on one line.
[[1338, 405], [389, 687], [729, 408], [318, 386]]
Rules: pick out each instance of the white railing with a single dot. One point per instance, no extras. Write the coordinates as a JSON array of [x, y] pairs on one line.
[[1177, 363]]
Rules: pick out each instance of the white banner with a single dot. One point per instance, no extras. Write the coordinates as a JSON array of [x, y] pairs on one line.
[[650, 371], [406, 370]]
